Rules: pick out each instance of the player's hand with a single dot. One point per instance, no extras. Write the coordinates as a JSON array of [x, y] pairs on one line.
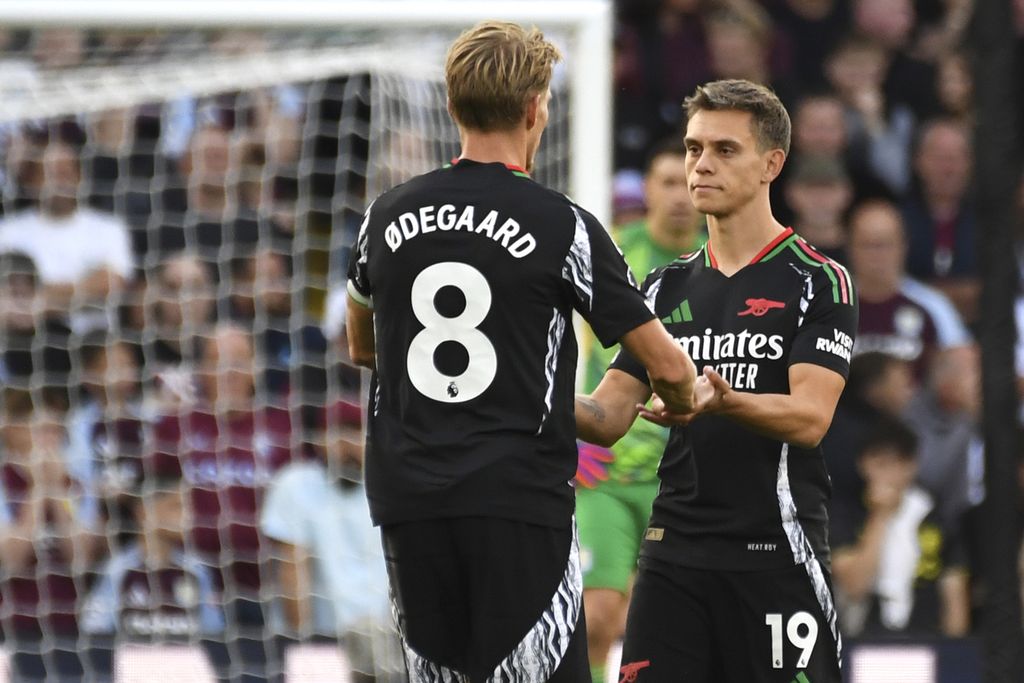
[[592, 464], [709, 393], [660, 415]]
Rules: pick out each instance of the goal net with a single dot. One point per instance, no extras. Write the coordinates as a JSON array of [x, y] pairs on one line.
[[180, 430]]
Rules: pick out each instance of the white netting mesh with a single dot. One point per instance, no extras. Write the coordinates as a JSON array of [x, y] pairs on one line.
[[177, 212]]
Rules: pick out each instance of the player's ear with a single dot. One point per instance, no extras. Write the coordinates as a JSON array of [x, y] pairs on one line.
[[773, 165], [532, 107]]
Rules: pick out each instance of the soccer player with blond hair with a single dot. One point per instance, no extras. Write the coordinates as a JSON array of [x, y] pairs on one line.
[[462, 286]]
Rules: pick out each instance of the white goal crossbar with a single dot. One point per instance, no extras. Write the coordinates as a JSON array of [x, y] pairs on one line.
[[588, 24]]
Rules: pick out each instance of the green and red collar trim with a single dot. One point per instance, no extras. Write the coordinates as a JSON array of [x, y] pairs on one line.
[[516, 170], [770, 249]]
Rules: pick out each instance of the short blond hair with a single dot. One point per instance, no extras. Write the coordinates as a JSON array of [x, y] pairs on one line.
[[492, 71]]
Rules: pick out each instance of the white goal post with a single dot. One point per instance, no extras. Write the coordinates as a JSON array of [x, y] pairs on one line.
[[588, 24]]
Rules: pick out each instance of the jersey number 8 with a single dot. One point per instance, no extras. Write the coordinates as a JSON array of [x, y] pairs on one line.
[[461, 329]]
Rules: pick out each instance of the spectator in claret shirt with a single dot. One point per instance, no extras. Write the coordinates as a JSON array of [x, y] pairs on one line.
[[227, 446], [898, 315], [106, 426], [48, 536], [154, 590], [940, 216]]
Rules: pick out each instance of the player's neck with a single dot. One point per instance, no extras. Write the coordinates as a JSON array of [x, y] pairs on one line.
[[505, 147], [737, 238]]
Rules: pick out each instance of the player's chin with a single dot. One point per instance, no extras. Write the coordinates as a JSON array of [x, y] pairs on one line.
[[707, 207]]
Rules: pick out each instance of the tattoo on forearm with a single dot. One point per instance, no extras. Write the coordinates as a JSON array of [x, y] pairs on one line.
[[591, 406]]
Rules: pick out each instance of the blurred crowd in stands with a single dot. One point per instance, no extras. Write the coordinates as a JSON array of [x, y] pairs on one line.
[[180, 435]]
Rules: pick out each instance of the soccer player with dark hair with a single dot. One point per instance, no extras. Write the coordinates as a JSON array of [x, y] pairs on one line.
[[733, 581], [462, 286]]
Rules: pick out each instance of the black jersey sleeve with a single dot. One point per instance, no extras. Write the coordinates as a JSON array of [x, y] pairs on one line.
[[605, 292], [826, 331], [624, 360], [359, 287]]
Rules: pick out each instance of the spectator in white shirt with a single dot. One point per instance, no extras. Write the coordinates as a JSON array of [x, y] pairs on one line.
[[330, 565], [83, 256]]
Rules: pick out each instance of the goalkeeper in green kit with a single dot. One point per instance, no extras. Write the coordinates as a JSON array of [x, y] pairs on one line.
[[615, 488]]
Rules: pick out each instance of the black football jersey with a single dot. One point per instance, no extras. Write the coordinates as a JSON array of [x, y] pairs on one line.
[[731, 498], [473, 272]]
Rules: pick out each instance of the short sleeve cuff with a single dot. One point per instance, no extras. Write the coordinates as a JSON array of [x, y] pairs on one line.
[[358, 296]]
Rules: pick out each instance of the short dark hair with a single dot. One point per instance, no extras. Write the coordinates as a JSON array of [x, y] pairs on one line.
[[770, 120], [890, 433], [670, 146]]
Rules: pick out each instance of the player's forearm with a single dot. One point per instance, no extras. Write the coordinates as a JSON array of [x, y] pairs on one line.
[[361, 338], [671, 371], [607, 413], [798, 421], [599, 423], [676, 391], [363, 353]]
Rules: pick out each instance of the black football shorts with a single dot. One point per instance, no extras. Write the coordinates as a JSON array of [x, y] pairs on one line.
[[483, 599], [713, 626]]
